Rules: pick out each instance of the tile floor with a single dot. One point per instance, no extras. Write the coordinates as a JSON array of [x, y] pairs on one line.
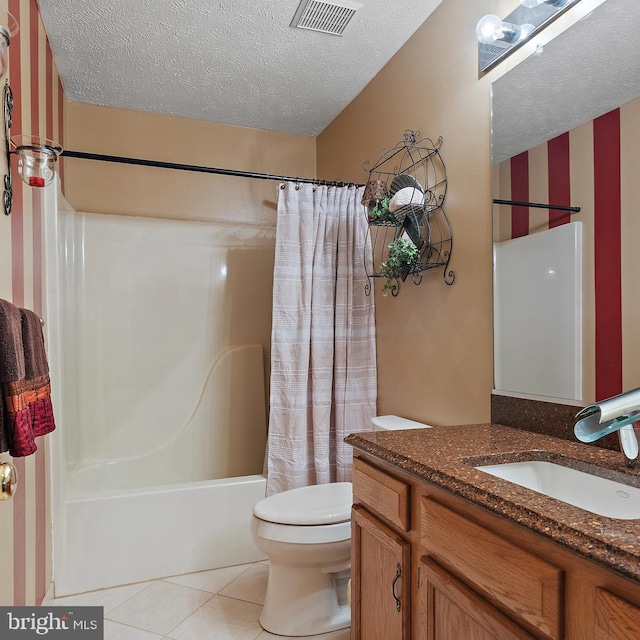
[[223, 604]]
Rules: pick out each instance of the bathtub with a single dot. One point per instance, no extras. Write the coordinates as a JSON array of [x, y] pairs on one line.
[[130, 537], [157, 332]]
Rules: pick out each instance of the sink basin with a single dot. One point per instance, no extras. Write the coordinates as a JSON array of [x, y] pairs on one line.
[[595, 494]]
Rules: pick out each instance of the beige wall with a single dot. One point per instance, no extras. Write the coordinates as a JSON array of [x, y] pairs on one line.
[[435, 357], [101, 187]]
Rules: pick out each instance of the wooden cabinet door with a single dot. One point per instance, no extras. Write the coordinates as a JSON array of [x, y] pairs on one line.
[[449, 610], [380, 580], [616, 619]]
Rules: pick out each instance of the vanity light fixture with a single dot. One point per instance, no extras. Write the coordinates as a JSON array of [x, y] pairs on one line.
[[491, 29], [37, 157], [530, 4], [498, 38]]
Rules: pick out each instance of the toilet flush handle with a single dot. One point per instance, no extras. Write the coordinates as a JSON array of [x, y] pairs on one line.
[[393, 586]]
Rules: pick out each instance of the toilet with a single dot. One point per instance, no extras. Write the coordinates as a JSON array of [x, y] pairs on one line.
[[306, 534]]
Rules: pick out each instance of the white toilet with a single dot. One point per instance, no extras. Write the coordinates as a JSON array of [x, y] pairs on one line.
[[306, 534]]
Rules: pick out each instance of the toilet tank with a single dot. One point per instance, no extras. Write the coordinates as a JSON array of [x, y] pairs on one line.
[[392, 423]]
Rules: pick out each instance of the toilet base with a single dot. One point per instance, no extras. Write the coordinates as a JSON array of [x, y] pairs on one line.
[[302, 601]]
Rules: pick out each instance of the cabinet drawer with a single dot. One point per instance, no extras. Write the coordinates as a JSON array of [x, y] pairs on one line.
[[516, 580], [452, 610], [616, 619], [382, 494]]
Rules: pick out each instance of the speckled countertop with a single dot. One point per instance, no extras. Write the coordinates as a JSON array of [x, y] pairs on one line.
[[445, 456]]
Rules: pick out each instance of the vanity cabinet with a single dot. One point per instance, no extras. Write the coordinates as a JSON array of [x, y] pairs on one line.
[[380, 557], [381, 570], [449, 610], [468, 574], [616, 619], [521, 584]]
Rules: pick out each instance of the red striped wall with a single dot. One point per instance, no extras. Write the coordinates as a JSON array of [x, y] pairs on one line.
[[559, 168], [520, 193], [607, 255], [25, 559]]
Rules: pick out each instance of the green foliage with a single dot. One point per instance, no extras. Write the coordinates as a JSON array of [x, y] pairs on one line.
[[402, 254], [381, 213]]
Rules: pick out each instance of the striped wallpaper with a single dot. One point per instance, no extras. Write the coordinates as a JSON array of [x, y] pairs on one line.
[[593, 166], [25, 538]]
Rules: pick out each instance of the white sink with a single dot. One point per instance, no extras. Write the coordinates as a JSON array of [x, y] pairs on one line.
[[599, 495]]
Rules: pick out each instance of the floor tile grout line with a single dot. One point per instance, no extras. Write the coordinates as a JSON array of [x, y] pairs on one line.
[[213, 595], [152, 582], [129, 598], [130, 626], [84, 593], [251, 566], [163, 579], [167, 579], [234, 597], [178, 584], [258, 604]]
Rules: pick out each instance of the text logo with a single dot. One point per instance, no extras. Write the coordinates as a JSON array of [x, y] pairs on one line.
[[24, 623]]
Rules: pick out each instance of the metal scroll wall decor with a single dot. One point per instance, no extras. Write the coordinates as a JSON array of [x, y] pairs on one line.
[[7, 100], [408, 229], [37, 157]]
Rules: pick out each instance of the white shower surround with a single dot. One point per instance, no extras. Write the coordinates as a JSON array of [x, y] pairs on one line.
[[138, 491]]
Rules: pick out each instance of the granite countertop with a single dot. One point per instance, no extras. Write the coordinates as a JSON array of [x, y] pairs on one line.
[[445, 456]]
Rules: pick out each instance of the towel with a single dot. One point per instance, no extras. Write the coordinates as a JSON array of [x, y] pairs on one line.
[[37, 390], [11, 362], [11, 349], [35, 358], [24, 377]]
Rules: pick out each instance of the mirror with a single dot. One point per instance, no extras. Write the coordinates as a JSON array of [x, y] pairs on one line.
[[566, 130]]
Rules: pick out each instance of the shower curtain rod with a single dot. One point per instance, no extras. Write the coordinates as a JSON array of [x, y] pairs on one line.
[[538, 205], [200, 169]]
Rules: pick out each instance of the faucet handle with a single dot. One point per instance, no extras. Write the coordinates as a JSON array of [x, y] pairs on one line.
[[629, 440]]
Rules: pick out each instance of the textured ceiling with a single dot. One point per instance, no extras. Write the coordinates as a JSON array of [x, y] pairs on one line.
[[588, 70], [231, 61]]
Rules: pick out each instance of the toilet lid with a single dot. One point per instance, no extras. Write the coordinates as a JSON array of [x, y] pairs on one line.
[[318, 504]]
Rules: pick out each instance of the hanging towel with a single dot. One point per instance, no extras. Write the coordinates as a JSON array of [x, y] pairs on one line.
[[11, 363], [11, 349], [38, 384], [35, 357], [26, 390]]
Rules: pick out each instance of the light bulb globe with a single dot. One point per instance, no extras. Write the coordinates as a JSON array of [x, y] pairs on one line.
[[525, 31], [489, 29]]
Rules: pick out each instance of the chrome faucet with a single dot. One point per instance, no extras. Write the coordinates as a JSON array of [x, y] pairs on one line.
[[619, 413]]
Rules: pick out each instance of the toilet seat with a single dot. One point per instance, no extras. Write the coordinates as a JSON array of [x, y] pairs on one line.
[[321, 504], [302, 534]]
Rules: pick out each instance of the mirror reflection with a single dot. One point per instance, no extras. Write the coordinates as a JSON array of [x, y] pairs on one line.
[[565, 130]]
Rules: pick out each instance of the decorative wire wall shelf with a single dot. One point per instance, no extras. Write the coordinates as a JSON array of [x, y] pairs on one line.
[[409, 232]]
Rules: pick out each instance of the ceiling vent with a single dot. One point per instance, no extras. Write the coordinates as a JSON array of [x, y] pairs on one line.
[[328, 17]]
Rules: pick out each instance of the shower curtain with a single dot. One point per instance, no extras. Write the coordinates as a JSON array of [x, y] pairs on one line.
[[323, 358]]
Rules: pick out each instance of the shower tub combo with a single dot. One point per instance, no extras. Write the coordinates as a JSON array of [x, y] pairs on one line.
[[158, 334]]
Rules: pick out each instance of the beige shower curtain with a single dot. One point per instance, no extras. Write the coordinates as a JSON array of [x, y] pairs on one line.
[[323, 358]]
